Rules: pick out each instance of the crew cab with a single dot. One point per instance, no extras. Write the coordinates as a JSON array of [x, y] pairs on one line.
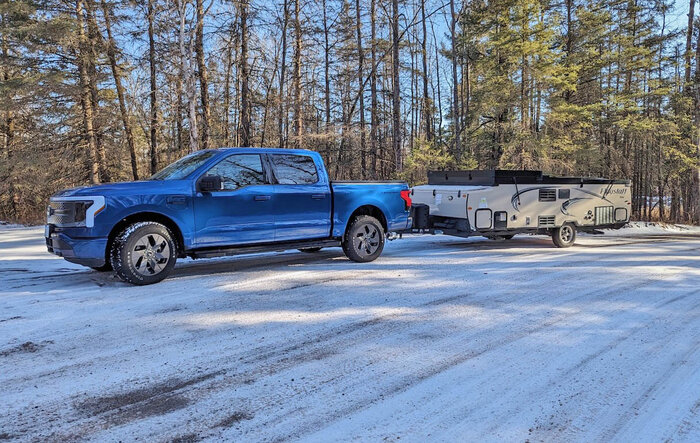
[[223, 202]]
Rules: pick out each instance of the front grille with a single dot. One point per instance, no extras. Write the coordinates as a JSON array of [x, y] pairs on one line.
[[604, 215], [548, 195], [545, 221]]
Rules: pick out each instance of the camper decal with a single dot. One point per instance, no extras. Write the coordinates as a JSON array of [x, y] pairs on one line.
[[569, 202], [515, 199]]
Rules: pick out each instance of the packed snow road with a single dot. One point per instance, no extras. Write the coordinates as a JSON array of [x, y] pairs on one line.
[[439, 339]]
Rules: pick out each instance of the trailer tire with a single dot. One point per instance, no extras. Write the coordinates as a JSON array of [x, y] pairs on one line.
[[364, 239], [310, 250], [144, 253], [564, 236]]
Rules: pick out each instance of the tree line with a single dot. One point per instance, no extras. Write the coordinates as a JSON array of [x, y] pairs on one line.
[[93, 91]]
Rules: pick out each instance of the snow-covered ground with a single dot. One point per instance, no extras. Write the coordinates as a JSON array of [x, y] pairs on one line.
[[440, 339]]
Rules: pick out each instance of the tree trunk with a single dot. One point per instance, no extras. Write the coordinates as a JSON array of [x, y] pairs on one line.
[[153, 154], [689, 43], [112, 55], [361, 83], [427, 104], [327, 83], [396, 99], [227, 88], [374, 123], [91, 54], [85, 98], [243, 68], [455, 86], [695, 192], [282, 117], [296, 77], [202, 74]]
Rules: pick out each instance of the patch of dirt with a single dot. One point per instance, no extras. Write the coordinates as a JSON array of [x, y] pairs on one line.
[[158, 399], [187, 438], [234, 418], [25, 348]]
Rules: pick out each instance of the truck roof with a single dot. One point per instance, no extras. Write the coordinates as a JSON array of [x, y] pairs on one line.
[[268, 150]]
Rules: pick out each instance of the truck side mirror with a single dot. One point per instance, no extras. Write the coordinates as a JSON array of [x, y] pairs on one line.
[[210, 183]]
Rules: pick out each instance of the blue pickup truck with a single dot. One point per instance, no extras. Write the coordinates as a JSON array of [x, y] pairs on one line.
[[223, 202]]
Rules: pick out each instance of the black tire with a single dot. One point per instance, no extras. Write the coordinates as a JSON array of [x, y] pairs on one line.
[[564, 236], [310, 250], [144, 253], [107, 267], [364, 239]]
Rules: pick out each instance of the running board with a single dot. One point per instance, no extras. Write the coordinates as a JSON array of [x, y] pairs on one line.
[[264, 247]]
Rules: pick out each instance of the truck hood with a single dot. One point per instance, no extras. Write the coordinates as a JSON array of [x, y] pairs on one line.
[[129, 188]]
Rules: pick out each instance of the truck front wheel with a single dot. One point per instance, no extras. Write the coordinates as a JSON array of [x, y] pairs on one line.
[[564, 236], [143, 253], [364, 239]]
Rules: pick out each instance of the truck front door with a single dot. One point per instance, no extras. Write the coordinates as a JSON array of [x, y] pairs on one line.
[[301, 198], [241, 212]]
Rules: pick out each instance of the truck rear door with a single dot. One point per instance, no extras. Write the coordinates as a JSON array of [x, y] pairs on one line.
[[301, 198]]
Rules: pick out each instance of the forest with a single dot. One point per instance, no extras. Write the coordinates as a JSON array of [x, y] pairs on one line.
[[96, 91]]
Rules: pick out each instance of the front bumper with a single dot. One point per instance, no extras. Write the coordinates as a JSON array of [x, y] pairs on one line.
[[83, 251]]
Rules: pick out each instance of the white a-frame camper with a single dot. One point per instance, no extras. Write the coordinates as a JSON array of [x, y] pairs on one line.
[[500, 204]]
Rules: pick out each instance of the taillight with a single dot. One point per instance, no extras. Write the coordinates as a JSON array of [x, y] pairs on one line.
[[406, 196]]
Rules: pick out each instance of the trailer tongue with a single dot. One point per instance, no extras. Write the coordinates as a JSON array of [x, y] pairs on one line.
[[500, 204]]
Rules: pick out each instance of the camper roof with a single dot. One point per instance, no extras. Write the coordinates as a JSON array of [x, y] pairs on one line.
[[493, 177]]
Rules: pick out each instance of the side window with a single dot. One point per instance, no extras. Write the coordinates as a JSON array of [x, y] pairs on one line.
[[294, 169], [239, 170]]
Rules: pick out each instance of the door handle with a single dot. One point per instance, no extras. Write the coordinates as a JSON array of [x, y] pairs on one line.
[[318, 196], [262, 198]]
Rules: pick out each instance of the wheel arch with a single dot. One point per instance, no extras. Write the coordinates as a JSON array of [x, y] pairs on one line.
[[147, 216], [370, 210]]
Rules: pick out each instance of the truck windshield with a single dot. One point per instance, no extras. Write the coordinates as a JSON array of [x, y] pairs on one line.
[[183, 167]]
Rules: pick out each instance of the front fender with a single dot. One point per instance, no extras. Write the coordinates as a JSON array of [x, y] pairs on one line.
[[178, 210]]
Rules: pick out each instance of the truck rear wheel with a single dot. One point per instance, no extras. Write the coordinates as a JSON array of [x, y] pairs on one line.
[[564, 236], [364, 239], [143, 253]]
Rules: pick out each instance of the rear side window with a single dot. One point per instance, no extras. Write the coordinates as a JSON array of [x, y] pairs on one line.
[[294, 169], [239, 170]]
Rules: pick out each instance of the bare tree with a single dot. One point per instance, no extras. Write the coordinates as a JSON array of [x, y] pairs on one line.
[[86, 98], [396, 88], [243, 72], [116, 74], [202, 74], [152, 93], [296, 77]]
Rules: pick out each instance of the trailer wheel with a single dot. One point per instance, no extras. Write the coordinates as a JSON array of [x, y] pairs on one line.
[[143, 253], [364, 239], [310, 250], [564, 236]]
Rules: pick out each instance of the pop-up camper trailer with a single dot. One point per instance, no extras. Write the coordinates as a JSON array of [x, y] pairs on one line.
[[499, 204]]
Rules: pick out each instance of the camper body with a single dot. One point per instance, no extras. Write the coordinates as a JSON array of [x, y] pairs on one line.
[[500, 204]]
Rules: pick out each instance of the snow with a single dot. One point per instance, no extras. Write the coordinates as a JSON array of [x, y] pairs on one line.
[[439, 339]]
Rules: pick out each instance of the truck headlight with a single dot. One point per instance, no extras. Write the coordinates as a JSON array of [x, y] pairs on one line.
[[74, 211]]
